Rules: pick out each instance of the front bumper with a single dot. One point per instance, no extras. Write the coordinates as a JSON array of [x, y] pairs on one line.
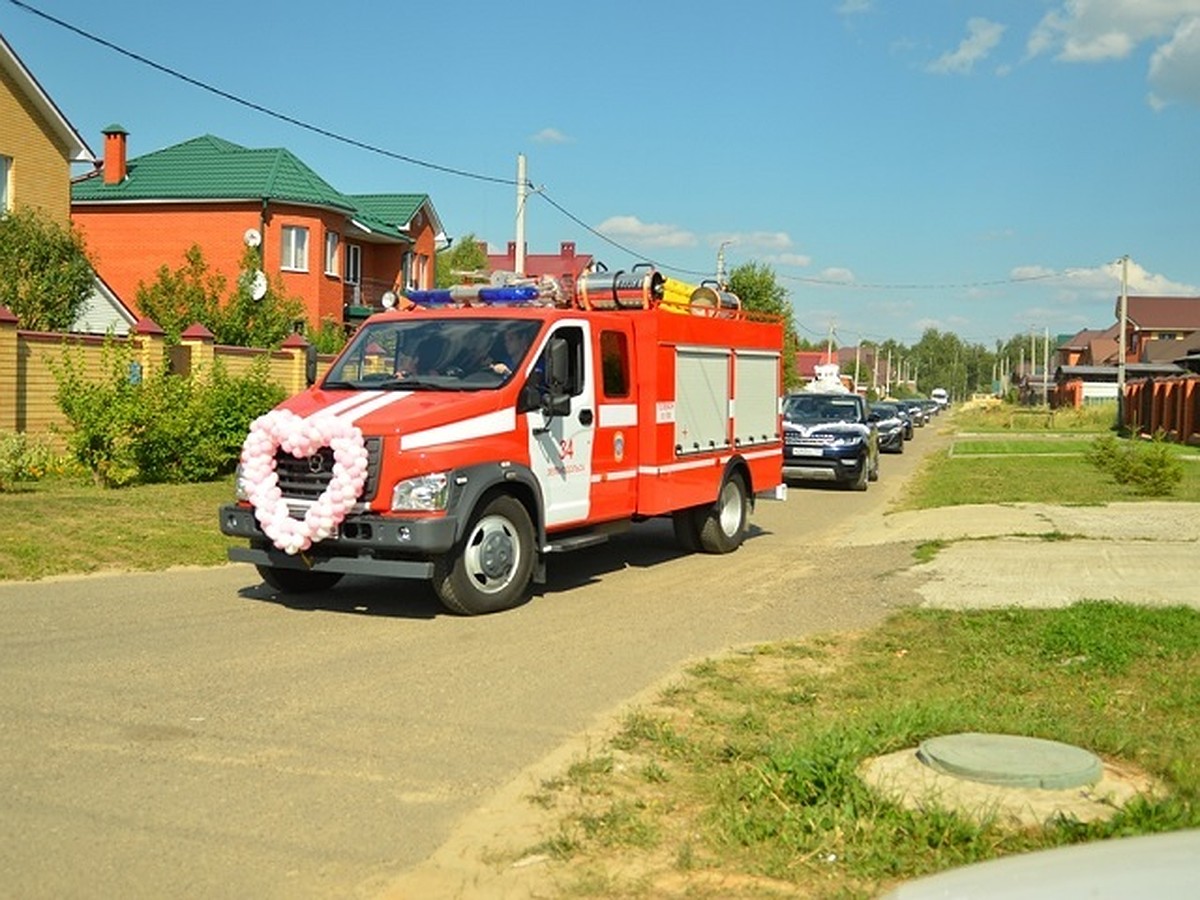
[[830, 466], [365, 544]]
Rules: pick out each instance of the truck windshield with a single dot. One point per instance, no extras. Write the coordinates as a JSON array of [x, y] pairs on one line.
[[428, 354]]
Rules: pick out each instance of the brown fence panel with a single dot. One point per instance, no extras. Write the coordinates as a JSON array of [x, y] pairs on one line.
[[1169, 405]]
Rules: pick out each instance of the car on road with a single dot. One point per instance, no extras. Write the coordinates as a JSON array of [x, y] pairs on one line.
[[917, 412], [829, 437], [891, 426], [939, 396]]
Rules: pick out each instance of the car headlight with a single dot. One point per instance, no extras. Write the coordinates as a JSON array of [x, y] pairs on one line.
[[240, 491], [847, 440], [425, 493]]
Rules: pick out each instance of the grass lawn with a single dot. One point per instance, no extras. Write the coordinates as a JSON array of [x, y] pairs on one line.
[[742, 782], [64, 526]]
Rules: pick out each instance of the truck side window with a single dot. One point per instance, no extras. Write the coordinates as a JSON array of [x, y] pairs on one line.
[[573, 335], [614, 363]]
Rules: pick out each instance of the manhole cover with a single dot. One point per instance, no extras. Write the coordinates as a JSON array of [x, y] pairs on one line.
[[1011, 760]]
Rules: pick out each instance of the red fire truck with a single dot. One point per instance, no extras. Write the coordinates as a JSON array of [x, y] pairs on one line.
[[469, 437]]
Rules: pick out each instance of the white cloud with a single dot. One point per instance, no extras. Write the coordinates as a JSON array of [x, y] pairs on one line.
[[982, 36], [1175, 66], [800, 260], [1096, 30], [1103, 281], [630, 228], [749, 241], [551, 136], [838, 274], [1104, 30], [854, 7]]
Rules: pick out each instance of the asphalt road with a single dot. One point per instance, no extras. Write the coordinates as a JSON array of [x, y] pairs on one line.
[[190, 734]]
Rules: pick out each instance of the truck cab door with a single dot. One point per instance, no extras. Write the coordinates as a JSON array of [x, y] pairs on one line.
[[562, 430]]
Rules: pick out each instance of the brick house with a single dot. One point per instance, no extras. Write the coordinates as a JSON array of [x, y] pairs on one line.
[[37, 144], [1150, 320], [38, 147], [339, 253]]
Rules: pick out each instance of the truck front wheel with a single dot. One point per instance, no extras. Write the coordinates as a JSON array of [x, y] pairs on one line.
[[723, 525], [490, 569], [297, 581]]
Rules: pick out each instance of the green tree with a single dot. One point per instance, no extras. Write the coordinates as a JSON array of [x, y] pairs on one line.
[[244, 321], [194, 294], [45, 273], [760, 291], [465, 255], [179, 298]]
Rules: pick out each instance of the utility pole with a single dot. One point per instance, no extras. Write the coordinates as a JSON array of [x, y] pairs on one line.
[[519, 262], [1121, 346], [1046, 368], [857, 356]]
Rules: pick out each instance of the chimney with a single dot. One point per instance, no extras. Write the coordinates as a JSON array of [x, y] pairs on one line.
[[114, 154]]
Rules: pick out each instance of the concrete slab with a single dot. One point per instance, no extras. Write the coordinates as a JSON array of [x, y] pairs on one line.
[[1146, 552], [902, 777], [1037, 574]]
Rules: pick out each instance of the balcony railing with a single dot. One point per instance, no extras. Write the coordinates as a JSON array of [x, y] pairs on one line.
[[367, 293]]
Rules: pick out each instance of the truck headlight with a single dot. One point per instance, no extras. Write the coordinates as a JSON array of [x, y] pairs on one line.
[[425, 493]]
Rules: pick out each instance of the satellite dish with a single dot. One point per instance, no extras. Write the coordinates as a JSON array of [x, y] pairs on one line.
[[258, 285], [252, 237]]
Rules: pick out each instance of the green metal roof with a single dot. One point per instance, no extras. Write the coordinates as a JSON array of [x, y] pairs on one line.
[[397, 208], [210, 168]]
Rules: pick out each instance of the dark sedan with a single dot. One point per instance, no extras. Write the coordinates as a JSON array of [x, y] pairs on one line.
[[892, 426]]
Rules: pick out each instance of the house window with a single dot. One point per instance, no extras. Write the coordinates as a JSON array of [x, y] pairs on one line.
[[295, 248], [331, 253], [353, 264], [416, 268], [5, 169]]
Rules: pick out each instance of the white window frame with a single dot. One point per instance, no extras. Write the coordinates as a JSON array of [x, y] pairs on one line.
[[353, 264], [294, 248], [332, 239], [5, 184]]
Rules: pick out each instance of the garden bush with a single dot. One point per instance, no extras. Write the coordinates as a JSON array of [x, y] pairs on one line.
[[1148, 467], [166, 428], [23, 458]]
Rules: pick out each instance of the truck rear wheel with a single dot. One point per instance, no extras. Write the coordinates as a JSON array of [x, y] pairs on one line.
[[723, 525], [490, 569], [297, 581]]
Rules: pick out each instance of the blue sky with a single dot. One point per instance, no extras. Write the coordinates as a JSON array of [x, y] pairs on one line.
[[975, 166]]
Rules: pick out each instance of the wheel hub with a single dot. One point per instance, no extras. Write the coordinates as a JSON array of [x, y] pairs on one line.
[[496, 555]]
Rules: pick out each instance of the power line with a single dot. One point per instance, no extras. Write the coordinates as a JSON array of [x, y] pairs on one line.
[[464, 173], [258, 107]]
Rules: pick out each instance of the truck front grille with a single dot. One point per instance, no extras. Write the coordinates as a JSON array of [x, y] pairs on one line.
[[305, 479]]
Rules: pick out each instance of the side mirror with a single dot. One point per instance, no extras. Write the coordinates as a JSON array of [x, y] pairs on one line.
[[556, 395]]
